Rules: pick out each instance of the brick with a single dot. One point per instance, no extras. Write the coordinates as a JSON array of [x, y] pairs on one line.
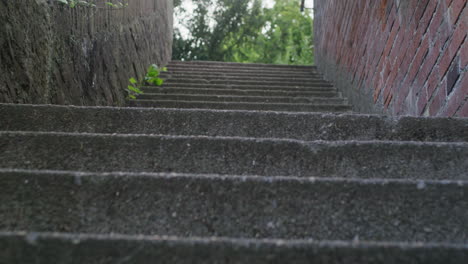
[[390, 81], [388, 100], [400, 40], [459, 36], [464, 54], [455, 9], [402, 94], [409, 54], [455, 43], [391, 17], [391, 39], [422, 101], [433, 81], [426, 19], [463, 112], [437, 19], [428, 65], [438, 99], [419, 11], [416, 64], [444, 33], [458, 96]]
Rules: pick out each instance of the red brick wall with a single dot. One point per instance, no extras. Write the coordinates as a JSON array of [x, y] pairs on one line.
[[401, 57]]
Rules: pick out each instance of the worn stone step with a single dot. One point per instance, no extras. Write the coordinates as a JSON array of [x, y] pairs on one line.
[[288, 107], [240, 71], [237, 64], [242, 68], [202, 73], [260, 82], [204, 77], [243, 156], [225, 98], [285, 87], [302, 126], [222, 90], [235, 206], [235, 67], [65, 248]]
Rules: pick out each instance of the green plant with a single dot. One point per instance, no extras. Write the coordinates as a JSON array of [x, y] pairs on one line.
[[151, 78]]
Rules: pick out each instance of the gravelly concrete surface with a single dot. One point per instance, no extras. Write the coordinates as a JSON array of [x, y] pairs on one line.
[[220, 155], [288, 107], [303, 126], [45, 248], [234, 206], [256, 177]]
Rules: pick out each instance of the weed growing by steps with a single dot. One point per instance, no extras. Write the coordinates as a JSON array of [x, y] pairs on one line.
[[92, 3], [151, 78]]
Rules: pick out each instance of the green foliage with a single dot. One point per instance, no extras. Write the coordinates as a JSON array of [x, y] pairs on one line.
[[177, 3], [151, 78], [244, 31], [152, 74]]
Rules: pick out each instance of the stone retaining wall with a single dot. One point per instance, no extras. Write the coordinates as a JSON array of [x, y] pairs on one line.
[[51, 53]]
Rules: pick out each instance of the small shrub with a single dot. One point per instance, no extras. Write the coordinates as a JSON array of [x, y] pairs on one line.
[[151, 78]]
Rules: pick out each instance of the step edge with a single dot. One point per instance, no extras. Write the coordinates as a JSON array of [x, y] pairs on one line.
[[139, 109], [244, 103], [311, 143], [418, 183], [32, 237]]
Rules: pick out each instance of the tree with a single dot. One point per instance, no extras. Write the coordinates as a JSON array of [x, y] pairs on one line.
[[243, 31]]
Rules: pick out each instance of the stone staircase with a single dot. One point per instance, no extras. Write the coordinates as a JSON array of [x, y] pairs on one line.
[[232, 86], [231, 163]]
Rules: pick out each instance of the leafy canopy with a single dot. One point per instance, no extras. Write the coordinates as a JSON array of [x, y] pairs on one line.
[[244, 31]]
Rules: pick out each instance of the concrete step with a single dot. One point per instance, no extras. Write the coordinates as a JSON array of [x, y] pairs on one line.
[[241, 78], [202, 73], [278, 69], [260, 82], [288, 107], [223, 90], [241, 65], [242, 156], [226, 98], [233, 206], [302, 126], [68, 248], [286, 87], [240, 71]]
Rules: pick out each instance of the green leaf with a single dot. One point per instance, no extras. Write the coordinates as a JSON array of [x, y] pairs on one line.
[[133, 80], [84, 3], [131, 96], [134, 89], [164, 69], [152, 74], [159, 81]]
